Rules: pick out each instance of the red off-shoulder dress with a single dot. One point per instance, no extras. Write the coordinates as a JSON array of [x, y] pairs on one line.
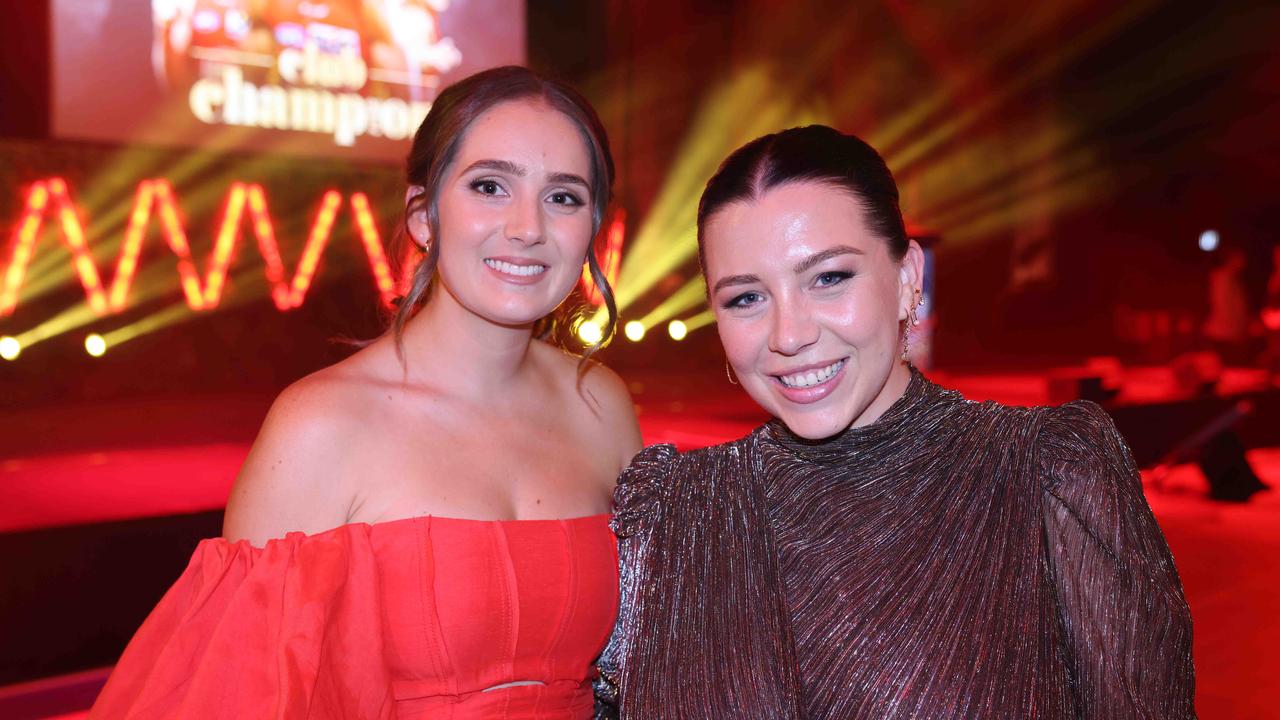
[[411, 618]]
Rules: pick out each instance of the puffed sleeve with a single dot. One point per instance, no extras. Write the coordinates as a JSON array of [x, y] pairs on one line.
[[637, 495], [636, 501], [291, 630], [1126, 625], [702, 627]]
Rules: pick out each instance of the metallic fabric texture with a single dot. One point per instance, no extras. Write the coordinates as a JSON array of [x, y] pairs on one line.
[[951, 560]]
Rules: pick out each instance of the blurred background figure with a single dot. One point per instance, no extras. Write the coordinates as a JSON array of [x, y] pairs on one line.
[[1230, 321], [1271, 314]]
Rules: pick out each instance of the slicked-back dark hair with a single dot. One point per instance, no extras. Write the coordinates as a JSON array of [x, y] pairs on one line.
[[814, 153], [435, 145]]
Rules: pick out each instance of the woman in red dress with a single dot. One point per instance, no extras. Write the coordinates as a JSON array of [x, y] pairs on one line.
[[420, 530]]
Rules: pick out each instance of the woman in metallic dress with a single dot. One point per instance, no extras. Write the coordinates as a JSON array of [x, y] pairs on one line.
[[883, 548]]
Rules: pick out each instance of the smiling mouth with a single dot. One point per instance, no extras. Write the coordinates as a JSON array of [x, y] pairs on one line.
[[811, 378], [517, 270]]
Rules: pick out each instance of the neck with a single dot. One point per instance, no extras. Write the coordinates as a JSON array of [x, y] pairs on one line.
[[448, 346], [894, 387]]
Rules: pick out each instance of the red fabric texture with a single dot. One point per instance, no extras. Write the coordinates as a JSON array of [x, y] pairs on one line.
[[408, 618]]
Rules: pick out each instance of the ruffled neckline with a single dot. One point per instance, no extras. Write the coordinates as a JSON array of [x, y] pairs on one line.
[[920, 395]]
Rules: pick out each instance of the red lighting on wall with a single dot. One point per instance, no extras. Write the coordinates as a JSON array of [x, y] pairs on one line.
[[154, 198], [1271, 318], [611, 262]]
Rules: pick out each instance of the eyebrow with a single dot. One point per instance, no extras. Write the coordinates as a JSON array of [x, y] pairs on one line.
[[725, 282], [568, 179], [510, 168], [505, 166], [800, 267], [825, 255]]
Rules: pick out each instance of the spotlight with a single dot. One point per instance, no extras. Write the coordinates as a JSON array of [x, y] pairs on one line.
[[1209, 240], [10, 348], [95, 345], [634, 330], [590, 333], [677, 329]]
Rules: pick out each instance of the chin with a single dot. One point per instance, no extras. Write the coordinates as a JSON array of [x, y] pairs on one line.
[[814, 421], [520, 309], [514, 309], [515, 317]]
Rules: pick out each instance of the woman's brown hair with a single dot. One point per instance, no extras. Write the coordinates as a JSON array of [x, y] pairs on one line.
[[814, 153]]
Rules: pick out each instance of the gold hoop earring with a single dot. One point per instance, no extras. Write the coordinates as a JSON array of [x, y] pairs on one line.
[[728, 372]]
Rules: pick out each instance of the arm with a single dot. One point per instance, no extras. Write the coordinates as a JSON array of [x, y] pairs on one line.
[[638, 500], [1125, 623], [292, 479]]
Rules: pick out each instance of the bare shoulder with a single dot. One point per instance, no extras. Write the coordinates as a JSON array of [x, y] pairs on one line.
[[606, 406], [295, 477], [604, 390]]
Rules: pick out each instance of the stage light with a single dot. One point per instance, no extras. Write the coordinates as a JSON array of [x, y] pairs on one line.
[[10, 348], [171, 315], [950, 148], [701, 320], [1209, 240], [752, 103], [634, 330], [589, 332], [95, 345], [76, 316], [677, 329], [692, 294]]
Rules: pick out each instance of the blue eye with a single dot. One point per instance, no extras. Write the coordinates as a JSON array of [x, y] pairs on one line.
[[829, 279], [744, 300]]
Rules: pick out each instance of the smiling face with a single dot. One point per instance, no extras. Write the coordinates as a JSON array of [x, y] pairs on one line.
[[515, 217], [809, 305]]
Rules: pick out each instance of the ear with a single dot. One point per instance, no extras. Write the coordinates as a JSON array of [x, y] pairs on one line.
[[910, 279], [416, 220]]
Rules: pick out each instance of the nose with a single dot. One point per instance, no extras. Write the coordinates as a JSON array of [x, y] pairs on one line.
[[524, 223], [793, 328]]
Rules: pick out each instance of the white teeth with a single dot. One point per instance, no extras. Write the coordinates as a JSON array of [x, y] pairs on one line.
[[812, 377], [518, 270]]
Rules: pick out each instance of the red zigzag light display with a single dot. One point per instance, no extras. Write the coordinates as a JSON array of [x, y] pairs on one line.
[[155, 197]]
